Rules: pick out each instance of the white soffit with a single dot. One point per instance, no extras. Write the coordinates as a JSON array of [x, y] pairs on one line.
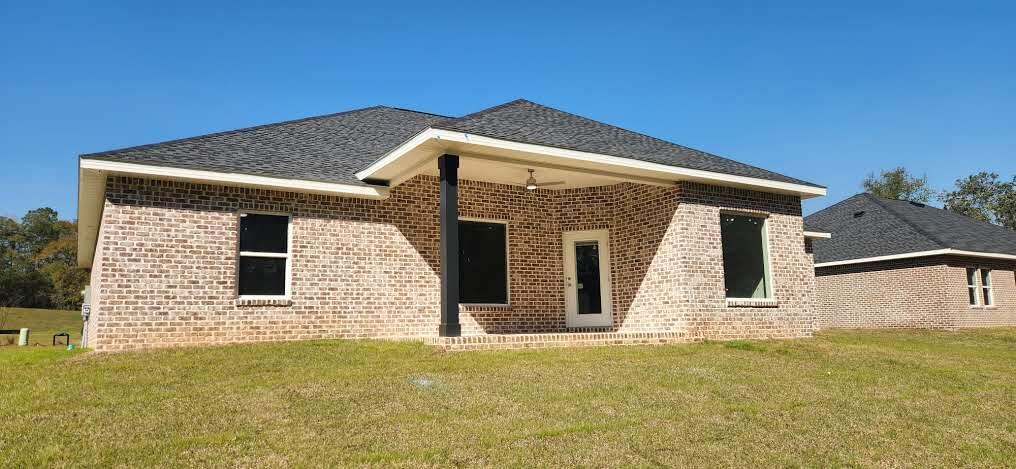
[[817, 235], [234, 179], [410, 158], [516, 172], [91, 197]]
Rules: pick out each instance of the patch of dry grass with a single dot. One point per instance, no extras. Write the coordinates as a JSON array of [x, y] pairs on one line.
[[909, 398]]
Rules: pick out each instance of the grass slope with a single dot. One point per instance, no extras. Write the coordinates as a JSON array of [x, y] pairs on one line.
[[844, 398], [43, 324]]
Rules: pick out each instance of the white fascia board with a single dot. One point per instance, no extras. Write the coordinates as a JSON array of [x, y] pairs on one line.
[[989, 255], [817, 235], [910, 255], [398, 152], [585, 157], [244, 180]]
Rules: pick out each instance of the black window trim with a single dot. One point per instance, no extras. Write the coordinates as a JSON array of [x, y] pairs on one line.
[[507, 262], [288, 255]]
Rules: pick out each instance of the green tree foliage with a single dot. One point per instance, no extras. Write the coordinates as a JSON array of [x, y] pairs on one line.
[[985, 197], [898, 184], [37, 262]]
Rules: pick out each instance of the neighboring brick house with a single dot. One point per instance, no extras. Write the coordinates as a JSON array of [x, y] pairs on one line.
[[338, 227], [893, 263]]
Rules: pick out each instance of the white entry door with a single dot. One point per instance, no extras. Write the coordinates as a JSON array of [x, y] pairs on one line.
[[587, 278]]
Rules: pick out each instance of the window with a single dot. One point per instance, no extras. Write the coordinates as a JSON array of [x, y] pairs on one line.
[[264, 255], [986, 286], [972, 286], [483, 263], [745, 256]]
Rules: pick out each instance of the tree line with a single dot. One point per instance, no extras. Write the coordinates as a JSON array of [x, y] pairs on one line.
[[38, 267], [983, 196]]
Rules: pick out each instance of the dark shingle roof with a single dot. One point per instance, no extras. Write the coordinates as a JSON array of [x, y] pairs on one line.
[[868, 226], [808, 227], [527, 122], [334, 147], [330, 148]]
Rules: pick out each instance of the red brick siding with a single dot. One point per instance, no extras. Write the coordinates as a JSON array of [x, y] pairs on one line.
[[165, 272], [925, 292]]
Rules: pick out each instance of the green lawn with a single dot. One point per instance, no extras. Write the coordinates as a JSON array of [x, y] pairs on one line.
[[43, 323], [844, 398]]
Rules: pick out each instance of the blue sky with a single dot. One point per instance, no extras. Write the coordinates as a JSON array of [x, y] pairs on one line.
[[822, 91]]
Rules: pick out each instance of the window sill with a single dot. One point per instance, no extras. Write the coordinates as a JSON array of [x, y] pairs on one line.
[[751, 303], [263, 302], [485, 305]]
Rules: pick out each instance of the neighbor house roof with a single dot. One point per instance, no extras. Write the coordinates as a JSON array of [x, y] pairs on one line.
[[867, 228], [333, 148]]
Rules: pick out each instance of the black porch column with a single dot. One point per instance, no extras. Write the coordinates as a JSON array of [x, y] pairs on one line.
[[449, 167]]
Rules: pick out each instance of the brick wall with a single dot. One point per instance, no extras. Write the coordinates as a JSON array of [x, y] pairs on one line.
[[165, 271], [699, 251], [926, 292]]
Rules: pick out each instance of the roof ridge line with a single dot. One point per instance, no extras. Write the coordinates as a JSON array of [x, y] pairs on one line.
[[874, 198], [491, 109], [435, 126], [231, 131], [834, 205], [412, 110]]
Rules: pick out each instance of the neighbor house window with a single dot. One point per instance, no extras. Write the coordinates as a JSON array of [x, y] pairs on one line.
[[745, 256], [986, 287], [972, 286], [264, 255], [483, 263]]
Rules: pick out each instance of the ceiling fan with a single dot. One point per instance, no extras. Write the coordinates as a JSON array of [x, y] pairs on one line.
[[531, 183]]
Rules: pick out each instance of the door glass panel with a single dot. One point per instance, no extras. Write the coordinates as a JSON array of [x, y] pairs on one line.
[[587, 283]]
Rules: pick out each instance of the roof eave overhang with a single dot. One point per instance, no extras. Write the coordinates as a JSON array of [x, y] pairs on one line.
[[409, 159], [91, 198], [92, 174], [911, 255], [817, 234]]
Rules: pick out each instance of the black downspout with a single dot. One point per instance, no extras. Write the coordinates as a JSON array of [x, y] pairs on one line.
[[449, 167]]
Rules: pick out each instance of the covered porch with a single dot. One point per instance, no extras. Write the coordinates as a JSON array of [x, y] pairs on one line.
[[540, 246], [527, 250]]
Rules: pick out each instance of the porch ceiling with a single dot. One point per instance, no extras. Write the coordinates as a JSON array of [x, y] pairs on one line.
[[516, 173]]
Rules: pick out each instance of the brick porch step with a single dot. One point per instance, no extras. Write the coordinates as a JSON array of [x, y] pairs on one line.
[[557, 339]]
